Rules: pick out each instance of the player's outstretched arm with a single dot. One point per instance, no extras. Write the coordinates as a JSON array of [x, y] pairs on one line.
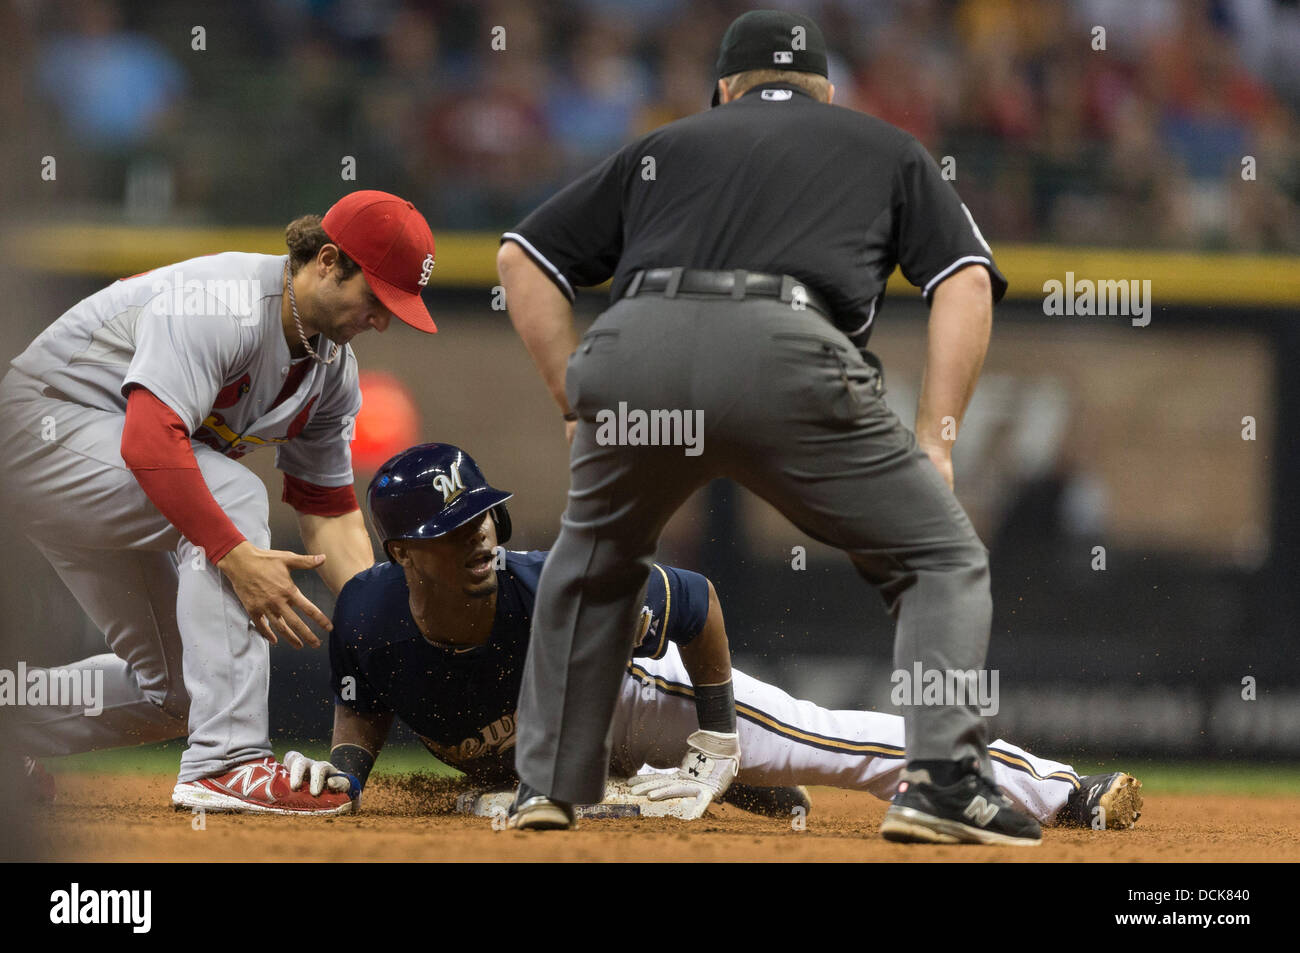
[[961, 319], [343, 540], [713, 753], [156, 449], [357, 740], [707, 657]]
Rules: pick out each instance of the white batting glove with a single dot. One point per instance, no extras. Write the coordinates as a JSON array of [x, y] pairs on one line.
[[322, 774], [710, 765]]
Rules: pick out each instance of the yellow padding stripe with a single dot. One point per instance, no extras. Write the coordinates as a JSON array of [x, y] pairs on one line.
[[468, 259]]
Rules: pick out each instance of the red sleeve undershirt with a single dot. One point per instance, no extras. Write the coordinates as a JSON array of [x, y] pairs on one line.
[[156, 449], [319, 500]]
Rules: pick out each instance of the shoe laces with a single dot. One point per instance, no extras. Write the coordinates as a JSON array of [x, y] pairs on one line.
[[991, 792]]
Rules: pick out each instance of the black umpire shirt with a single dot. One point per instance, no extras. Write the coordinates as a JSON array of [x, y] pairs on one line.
[[774, 181]]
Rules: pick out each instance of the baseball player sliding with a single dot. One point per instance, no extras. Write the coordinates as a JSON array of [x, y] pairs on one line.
[[437, 637], [122, 424]]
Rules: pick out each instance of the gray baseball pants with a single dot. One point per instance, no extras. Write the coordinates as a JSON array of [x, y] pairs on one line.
[[792, 412], [183, 659]]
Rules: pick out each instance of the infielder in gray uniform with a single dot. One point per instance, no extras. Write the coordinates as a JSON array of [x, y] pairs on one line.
[[122, 425], [748, 248]]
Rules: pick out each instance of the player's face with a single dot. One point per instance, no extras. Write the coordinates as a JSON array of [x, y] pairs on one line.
[[349, 307], [461, 562]]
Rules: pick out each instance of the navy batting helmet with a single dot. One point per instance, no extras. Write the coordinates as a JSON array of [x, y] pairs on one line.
[[429, 490]]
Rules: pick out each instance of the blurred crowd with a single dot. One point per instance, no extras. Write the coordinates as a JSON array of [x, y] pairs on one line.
[[1160, 122]]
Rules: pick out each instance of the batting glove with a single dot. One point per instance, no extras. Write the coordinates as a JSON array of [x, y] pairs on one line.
[[711, 763], [321, 775]]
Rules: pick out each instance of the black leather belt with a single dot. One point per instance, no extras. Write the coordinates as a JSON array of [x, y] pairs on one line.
[[737, 284]]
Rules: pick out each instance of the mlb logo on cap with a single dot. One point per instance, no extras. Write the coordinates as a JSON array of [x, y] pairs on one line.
[[767, 39], [392, 243]]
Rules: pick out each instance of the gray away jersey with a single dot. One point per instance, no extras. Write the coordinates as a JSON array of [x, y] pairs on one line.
[[204, 336]]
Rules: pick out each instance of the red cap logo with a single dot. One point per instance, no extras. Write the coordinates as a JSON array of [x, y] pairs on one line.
[[392, 243]]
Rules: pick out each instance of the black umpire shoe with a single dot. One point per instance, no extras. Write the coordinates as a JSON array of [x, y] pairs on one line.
[[534, 811], [1104, 801], [972, 810]]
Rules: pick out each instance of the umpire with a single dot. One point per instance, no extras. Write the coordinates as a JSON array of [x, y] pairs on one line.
[[748, 247]]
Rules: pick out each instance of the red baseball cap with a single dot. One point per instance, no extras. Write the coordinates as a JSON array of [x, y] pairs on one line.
[[392, 243]]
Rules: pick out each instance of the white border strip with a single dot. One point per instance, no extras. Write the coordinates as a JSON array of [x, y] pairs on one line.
[[541, 259], [959, 263], [871, 316]]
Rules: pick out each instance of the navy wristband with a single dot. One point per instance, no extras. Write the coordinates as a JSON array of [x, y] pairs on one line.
[[716, 707], [354, 760]]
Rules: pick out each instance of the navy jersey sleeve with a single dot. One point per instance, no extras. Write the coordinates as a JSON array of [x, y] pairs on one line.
[[347, 678], [676, 605], [576, 236], [936, 234]]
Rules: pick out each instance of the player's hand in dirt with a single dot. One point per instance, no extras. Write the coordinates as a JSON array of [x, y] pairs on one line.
[[710, 765], [263, 584], [319, 775]]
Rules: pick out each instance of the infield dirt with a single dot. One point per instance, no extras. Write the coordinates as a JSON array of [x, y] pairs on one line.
[[115, 817]]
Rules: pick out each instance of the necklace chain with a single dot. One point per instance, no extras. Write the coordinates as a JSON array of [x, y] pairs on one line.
[[297, 322]]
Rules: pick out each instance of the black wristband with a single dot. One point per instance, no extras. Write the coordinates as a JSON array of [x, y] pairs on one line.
[[716, 707], [571, 416], [353, 759]]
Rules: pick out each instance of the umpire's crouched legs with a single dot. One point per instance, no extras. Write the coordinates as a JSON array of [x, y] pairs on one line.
[[940, 598]]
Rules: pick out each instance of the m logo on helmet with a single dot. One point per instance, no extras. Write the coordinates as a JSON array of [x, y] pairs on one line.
[[426, 269], [451, 485], [783, 57]]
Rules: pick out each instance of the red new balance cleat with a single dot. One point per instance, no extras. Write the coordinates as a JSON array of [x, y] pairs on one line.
[[257, 787], [38, 784]]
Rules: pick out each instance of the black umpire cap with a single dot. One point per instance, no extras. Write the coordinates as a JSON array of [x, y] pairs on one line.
[[771, 39]]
